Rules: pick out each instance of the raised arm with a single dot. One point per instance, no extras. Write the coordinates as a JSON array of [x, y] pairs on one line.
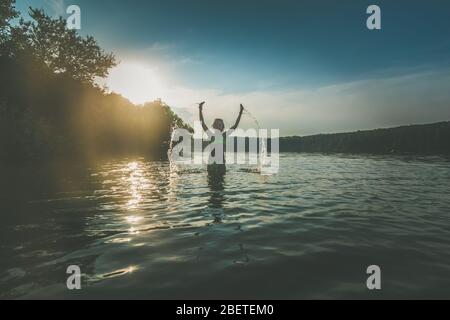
[[202, 120], [238, 119]]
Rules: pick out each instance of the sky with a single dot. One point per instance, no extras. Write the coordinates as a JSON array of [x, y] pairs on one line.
[[304, 67]]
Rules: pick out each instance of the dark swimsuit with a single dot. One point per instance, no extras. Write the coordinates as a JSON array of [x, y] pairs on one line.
[[219, 168]]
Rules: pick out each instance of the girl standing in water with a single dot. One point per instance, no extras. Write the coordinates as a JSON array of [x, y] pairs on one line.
[[220, 137]]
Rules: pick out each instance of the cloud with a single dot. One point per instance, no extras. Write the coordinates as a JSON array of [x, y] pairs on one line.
[[413, 98], [366, 104]]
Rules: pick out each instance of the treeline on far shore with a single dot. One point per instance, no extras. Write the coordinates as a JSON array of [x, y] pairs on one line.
[[428, 139]]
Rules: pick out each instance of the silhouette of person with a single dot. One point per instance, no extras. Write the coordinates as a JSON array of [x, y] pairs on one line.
[[219, 136]]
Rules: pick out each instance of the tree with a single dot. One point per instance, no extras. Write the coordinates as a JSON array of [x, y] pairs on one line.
[[7, 13], [63, 51], [50, 106]]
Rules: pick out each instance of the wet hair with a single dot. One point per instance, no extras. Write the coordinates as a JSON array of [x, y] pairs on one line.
[[219, 125]]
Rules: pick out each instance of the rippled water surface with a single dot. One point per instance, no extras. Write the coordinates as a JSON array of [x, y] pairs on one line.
[[140, 229]]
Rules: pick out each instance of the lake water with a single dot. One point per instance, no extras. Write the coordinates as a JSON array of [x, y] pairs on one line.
[[141, 229]]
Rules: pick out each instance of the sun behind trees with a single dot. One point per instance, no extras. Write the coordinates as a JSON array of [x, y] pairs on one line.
[[50, 106]]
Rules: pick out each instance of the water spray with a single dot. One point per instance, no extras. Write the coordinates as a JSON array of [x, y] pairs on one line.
[[263, 148]]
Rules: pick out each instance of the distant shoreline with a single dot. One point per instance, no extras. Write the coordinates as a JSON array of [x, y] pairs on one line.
[[426, 139]]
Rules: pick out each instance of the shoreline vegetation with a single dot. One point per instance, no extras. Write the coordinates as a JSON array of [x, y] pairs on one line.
[[422, 140], [426, 139], [51, 107]]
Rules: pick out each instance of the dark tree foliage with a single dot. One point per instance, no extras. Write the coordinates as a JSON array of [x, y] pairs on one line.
[[430, 139], [50, 107], [63, 50], [7, 13]]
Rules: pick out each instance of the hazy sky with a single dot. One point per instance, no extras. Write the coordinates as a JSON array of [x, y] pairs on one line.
[[302, 66]]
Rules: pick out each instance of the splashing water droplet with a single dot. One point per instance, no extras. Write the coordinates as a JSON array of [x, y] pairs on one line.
[[172, 165], [263, 160]]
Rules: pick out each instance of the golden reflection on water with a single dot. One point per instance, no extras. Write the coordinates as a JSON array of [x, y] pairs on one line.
[[133, 219], [133, 189], [136, 183], [118, 273], [133, 231]]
